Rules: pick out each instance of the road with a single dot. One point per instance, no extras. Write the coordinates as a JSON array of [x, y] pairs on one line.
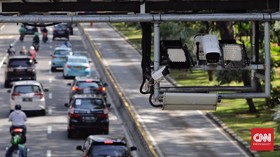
[[173, 133], [46, 135]]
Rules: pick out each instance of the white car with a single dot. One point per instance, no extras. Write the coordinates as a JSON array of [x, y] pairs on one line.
[[30, 95]]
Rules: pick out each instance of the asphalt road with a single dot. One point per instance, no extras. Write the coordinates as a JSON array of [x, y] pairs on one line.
[[173, 133], [46, 135]]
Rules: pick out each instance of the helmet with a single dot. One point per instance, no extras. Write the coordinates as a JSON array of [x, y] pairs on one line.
[[18, 107], [36, 33], [11, 45], [32, 48]]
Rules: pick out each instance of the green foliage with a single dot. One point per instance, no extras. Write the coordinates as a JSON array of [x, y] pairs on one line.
[[226, 77]]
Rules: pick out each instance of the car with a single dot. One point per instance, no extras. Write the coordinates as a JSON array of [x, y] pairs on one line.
[[106, 145], [88, 85], [79, 53], [60, 31], [87, 113], [70, 28], [30, 29], [30, 95], [59, 57], [76, 66], [19, 67]]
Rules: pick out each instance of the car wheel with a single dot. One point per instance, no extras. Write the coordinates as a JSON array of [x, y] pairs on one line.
[[65, 76], [7, 84], [53, 69], [42, 112]]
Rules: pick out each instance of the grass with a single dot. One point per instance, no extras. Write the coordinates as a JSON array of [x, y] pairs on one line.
[[232, 112]]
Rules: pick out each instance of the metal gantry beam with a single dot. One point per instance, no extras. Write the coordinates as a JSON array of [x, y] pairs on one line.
[[141, 18]]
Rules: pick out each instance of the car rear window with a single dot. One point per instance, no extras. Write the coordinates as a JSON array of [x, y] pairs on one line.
[[109, 150], [88, 103], [77, 60], [19, 63], [88, 84], [62, 52], [27, 89]]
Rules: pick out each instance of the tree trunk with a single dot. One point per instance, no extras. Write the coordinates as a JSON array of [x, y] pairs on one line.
[[227, 32]]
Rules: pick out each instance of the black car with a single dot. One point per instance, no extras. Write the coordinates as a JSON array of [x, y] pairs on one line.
[[106, 145], [87, 113], [88, 85], [19, 68], [70, 28], [30, 29], [60, 31]]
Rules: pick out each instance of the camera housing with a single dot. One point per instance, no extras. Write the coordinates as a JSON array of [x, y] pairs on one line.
[[160, 73]]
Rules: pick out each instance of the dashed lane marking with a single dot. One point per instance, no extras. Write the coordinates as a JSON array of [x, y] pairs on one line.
[[49, 153], [49, 129], [50, 95]]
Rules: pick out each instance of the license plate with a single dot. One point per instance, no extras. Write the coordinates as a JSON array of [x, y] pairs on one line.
[[20, 70], [88, 119], [26, 99], [78, 68], [60, 32]]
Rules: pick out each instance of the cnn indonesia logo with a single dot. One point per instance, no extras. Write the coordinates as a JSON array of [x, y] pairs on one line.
[[262, 139]]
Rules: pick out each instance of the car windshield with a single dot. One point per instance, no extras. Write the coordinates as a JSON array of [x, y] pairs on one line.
[[78, 60], [109, 150], [62, 52], [88, 103], [27, 89], [85, 84], [19, 63]]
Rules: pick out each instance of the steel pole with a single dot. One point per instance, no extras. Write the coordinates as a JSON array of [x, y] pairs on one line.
[[156, 58], [267, 58]]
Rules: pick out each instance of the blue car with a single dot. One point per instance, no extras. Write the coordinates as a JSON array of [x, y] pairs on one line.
[[59, 57], [76, 66]]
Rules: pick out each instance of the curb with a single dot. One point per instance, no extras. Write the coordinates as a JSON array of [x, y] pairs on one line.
[[242, 143], [124, 104]]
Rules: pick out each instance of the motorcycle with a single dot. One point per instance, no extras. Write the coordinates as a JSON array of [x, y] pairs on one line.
[[36, 46], [45, 37], [17, 149]]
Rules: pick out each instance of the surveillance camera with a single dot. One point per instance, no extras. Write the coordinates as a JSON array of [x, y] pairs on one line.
[[160, 73], [206, 47]]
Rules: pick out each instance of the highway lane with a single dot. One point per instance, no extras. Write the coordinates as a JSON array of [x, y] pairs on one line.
[[46, 135], [173, 133]]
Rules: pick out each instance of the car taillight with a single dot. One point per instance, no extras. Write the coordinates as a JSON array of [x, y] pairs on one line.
[[40, 95], [103, 89], [104, 114], [68, 66], [86, 66], [75, 88], [108, 142], [15, 94], [53, 56]]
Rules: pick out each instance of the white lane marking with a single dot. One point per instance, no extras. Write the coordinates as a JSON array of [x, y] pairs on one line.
[[50, 62], [50, 72], [50, 80], [2, 27], [50, 110], [49, 129], [50, 95], [3, 60], [50, 46], [49, 153]]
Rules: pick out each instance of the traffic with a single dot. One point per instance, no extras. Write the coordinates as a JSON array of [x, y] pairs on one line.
[[59, 88]]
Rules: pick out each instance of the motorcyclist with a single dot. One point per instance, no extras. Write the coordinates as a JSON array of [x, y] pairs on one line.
[[45, 34], [23, 51], [32, 53], [18, 118], [11, 50], [22, 31], [67, 44], [44, 30], [36, 38]]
